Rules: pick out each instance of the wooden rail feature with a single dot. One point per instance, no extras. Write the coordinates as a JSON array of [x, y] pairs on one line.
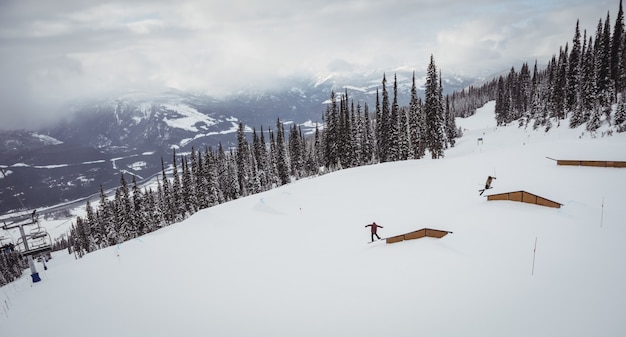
[[523, 196], [593, 163], [418, 234]]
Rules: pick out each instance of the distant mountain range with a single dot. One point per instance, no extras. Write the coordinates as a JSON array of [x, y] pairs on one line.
[[130, 133]]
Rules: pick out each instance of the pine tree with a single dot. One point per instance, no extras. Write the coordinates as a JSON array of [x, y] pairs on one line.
[[273, 170], [260, 154], [197, 168], [574, 73], [154, 216], [367, 140], [318, 151], [524, 94], [231, 183], [93, 228], [214, 193], [385, 116], [404, 131], [106, 226], [559, 97], [115, 232], [255, 179], [357, 134], [589, 89], [595, 119], [433, 109], [242, 160], [345, 136], [166, 200], [620, 114], [450, 123], [603, 57], [198, 186], [331, 140], [188, 193], [161, 205], [378, 126], [139, 210], [511, 94], [225, 174], [257, 161], [177, 201], [127, 228], [607, 95], [415, 122], [82, 242], [537, 109], [393, 125], [295, 152], [502, 103], [617, 52], [420, 125], [282, 166]]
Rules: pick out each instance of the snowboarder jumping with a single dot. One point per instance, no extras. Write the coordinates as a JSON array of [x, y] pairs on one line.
[[487, 184], [374, 227]]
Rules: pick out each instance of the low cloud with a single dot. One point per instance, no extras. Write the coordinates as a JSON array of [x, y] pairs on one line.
[[51, 52]]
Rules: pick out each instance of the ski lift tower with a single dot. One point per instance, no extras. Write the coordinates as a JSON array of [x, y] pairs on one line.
[[28, 251]]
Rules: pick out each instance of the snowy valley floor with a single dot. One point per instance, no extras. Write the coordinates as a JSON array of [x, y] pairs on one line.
[[295, 261]]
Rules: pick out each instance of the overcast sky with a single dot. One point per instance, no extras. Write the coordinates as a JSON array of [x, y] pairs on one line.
[[51, 51]]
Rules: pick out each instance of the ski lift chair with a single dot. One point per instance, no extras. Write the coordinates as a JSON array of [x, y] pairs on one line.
[[6, 248]]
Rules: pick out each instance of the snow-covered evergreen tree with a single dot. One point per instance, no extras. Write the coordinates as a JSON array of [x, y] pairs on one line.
[[617, 51], [331, 140], [595, 119], [620, 114], [450, 123], [296, 152], [140, 217], [433, 109], [393, 133], [384, 124], [367, 141], [282, 166], [242, 160], [574, 73]]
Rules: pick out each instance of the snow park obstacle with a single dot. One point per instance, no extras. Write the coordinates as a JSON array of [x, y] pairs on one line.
[[418, 234], [523, 196], [593, 163]]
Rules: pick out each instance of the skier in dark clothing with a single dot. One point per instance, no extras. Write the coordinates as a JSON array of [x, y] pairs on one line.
[[374, 227], [487, 184]]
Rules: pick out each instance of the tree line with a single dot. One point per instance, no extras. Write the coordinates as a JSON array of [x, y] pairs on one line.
[[585, 82]]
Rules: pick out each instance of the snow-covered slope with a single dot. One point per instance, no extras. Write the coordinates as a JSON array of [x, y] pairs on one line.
[[295, 261]]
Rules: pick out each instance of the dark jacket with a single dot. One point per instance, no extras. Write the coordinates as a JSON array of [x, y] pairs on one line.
[[374, 227]]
